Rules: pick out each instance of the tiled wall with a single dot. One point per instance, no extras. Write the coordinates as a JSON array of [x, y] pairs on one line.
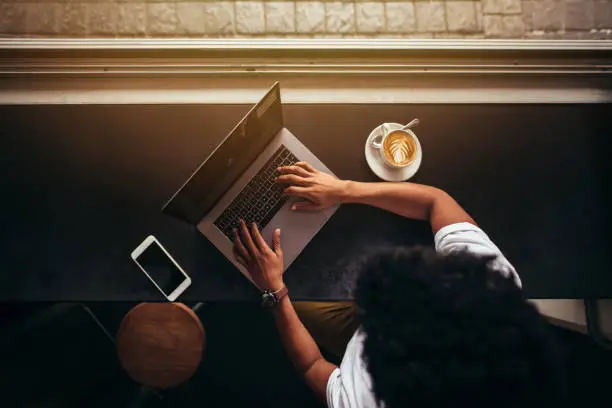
[[304, 18]]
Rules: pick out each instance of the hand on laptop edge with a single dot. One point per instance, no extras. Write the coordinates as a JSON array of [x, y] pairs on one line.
[[265, 264], [321, 190]]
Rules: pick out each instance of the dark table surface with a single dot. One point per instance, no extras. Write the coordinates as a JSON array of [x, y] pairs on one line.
[[83, 185]]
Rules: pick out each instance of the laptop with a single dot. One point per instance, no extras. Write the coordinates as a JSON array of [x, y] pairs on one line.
[[237, 181]]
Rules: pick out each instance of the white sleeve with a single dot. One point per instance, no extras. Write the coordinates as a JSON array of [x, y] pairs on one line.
[[350, 385], [464, 236], [336, 393]]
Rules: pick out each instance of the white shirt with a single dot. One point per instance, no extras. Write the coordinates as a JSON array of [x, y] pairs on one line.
[[350, 385]]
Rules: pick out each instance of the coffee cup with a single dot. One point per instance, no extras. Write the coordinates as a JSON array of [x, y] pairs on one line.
[[398, 148]]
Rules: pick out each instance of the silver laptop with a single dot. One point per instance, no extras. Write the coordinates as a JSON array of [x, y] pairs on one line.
[[237, 181]]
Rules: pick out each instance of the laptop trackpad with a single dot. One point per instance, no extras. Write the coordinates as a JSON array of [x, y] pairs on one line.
[[297, 229]]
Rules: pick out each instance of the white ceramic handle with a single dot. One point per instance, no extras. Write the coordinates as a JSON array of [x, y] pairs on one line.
[[381, 137], [376, 144]]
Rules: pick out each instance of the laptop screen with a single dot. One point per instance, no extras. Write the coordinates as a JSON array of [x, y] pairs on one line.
[[229, 160]]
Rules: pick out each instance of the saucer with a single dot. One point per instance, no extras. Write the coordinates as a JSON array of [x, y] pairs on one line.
[[379, 167]]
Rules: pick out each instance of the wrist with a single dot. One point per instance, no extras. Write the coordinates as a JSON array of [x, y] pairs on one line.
[[348, 192], [272, 286], [271, 300]]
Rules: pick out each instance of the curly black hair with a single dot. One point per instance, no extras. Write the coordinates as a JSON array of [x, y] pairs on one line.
[[446, 331]]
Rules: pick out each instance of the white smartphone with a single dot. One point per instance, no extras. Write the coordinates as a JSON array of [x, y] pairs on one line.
[[167, 276]]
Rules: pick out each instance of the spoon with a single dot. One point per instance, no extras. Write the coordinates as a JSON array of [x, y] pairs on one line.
[[414, 122]]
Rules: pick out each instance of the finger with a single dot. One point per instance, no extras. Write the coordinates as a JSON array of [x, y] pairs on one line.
[[259, 241], [248, 241], [293, 180], [297, 191], [306, 166], [240, 259], [305, 206], [297, 170], [239, 246], [276, 243]]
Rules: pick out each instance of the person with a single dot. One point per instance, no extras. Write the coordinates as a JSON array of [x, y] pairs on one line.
[[439, 328]]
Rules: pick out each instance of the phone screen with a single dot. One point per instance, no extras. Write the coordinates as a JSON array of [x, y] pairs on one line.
[[160, 268]]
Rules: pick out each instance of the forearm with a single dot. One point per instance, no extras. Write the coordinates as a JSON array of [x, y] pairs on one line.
[[301, 348], [409, 200]]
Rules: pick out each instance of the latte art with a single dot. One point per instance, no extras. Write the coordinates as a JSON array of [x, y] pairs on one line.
[[399, 148]]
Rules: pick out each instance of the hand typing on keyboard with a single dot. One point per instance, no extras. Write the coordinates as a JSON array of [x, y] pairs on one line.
[[265, 264], [260, 199], [320, 190]]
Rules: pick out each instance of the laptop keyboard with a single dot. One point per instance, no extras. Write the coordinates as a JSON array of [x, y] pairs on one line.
[[260, 199]]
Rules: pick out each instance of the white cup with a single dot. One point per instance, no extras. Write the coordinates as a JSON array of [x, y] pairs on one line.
[[378, 144]]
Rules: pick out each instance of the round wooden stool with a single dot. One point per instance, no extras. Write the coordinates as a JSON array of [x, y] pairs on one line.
[[160, 344]]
